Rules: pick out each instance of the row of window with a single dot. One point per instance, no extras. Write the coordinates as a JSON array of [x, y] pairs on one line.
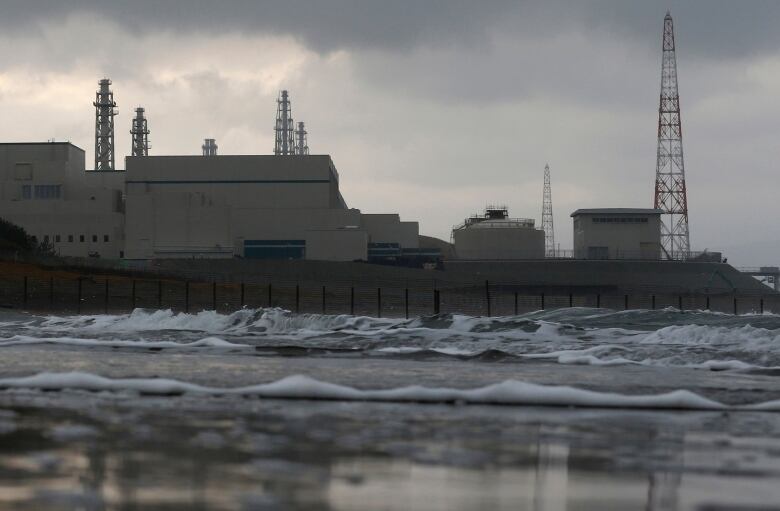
[[82, 238], [41, 191], [619, 220]]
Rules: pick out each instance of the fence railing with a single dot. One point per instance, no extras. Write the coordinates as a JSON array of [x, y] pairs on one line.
[[111, 294]]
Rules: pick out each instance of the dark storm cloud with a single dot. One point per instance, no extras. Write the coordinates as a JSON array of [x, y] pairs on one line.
[[712, 28]]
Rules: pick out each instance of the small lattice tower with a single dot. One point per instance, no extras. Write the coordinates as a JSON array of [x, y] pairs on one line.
[[285, 132], [670, 190], [209, 147], [104, 126], [140, 133], [547, 216], [301, 142]]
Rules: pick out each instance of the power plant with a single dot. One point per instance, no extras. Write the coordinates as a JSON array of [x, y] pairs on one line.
[[265, 206]]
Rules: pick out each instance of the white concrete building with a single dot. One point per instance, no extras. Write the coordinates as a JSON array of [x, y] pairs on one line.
[[45, 189], [272, 207], [617, 233], [495, 236]]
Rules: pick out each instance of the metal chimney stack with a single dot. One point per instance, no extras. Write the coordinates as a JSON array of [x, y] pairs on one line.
[[209, 147], [284, 144], [301, 143], [104, 126], [140, 132]]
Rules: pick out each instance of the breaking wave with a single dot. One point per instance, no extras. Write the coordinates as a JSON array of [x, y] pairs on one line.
[[599, 337], [509, 392]]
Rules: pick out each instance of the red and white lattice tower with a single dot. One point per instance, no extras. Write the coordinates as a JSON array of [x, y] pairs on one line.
[[670, 191]]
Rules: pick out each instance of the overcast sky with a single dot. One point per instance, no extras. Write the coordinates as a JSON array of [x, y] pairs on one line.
[[431, 109]]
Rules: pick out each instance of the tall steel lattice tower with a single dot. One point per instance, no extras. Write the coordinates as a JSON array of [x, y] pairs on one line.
[[301, 142], [140, 133], [104, 126], [285, 132], [670, 191], [547, 216]]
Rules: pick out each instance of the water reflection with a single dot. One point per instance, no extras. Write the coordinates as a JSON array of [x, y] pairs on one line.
[[371, 456]]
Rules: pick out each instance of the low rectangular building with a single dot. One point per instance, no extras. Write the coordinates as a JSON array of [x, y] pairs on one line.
[[617, 233]]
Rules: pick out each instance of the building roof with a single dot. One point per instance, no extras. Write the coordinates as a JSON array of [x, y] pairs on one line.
[[617, 211], [41, 143]]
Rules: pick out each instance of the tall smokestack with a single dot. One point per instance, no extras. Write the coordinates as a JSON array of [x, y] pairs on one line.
[[284, 143], [104, 126], [209, 147], [140, 132], [301, 142]]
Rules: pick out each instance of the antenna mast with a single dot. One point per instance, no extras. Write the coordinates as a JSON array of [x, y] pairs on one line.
[[301, 142], [670, 191], [285, 142], [104, 126], [547, 216], [140, 132]]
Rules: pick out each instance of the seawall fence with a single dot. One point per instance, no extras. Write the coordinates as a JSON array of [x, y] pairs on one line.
[[115, 294]]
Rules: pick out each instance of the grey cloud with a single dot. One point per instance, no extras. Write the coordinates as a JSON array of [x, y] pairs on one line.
[[710, 28]]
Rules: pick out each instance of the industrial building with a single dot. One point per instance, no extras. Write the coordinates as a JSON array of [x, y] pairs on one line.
[[617, 233], [266, 207], [495, 236], [282, 206]]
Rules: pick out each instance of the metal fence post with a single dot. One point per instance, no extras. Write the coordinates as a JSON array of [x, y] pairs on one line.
[[214, 295], [352, 301], [571, 300], [133, 295], [270, 295], [323, 300], [297, 298], [652, 302], [542, 301], [679, 302], [379, 302], [436, 301], [487, 297], [242, 295], [735, 305], [625, 302], [406, 303], [105, 302], [598, 300], [708, 303], [515, 303], [186, 296]]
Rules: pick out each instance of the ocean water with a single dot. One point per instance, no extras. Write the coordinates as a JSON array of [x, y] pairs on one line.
[[265, 409]]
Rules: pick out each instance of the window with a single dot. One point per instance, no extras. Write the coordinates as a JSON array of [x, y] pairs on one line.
[[26, 192], [57, 238], [70, 238], [94, 238], [47, 191], [81, 238], [105, 238]]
